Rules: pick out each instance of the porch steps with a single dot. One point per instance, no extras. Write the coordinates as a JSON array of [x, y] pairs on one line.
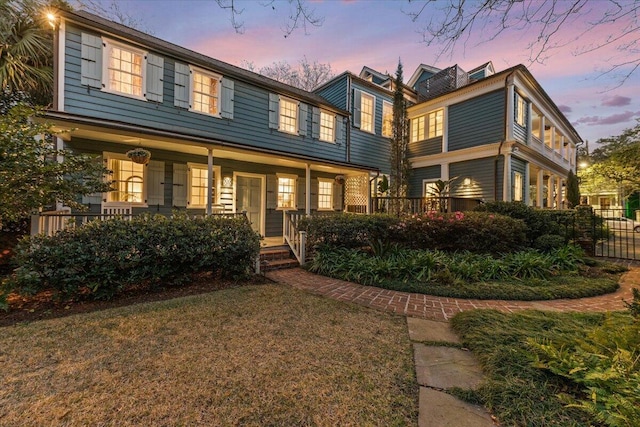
[[277, 258]]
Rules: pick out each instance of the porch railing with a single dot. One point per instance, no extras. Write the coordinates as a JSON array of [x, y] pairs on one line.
[[293, 236], [420, 205]]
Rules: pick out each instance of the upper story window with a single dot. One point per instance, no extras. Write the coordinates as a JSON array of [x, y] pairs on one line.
[[521, 111], [325, 194], [205, 93], [417, 128], [387, 119], [125, 69], [367, 103], [327, 126], [288, 116], [435, 119], [287, 191], [128, 181], [427, 126]]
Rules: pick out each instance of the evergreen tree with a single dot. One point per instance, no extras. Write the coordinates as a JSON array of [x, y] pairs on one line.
[[573, 190], [400, 166]]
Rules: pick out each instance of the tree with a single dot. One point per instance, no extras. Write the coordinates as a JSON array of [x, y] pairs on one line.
[[573, 190], [448, 23], [31, 176], [400, 165], [306, 75]]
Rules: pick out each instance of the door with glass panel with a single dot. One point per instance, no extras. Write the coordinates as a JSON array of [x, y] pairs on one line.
[[249, 199]]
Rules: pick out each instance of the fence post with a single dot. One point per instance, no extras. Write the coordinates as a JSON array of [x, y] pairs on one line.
[[303, 247]]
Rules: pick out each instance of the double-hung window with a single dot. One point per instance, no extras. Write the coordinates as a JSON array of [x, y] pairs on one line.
[[367, 108], [435, 123], [286, 191], [517, 186], [327, 126], [387, 119], [288, 116], [325, 194], [198, 186], [521, 111], [417, 128], [128, 181], [205, 92], [125, 68]]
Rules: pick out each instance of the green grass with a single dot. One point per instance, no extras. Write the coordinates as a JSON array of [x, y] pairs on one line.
[[516, 392], [256, 356]]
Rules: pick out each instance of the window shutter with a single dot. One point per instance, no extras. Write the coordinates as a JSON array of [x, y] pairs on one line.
[[272, 192], [180, 185], [274, 105], [339, 130], [337, 197], [300, 187], [357, 102], [227, 98], [155, 74], [303, 112], [315, 123], [155, 183], [91, 65], [315, 190], [181, 86]]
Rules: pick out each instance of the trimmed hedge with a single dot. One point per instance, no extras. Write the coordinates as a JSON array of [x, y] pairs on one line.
[[101, 258]]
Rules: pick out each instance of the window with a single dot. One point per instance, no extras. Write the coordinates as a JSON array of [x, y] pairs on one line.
[[431, 189], [517, 187], [325, 194], [288, 116], [125, 69], [198, 186], [205, 92], [417, 129], [387, 119], [435, 123], [536, 124], [605, 202], [128, 181], [367, 112], [327, 126], [286, 192], [521, 111]]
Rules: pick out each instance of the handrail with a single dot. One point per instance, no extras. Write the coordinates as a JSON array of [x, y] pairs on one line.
[[420, 205], [296, 239]]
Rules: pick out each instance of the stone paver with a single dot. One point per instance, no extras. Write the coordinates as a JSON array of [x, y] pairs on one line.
[[446, 367], [430, 330], [447, 411]]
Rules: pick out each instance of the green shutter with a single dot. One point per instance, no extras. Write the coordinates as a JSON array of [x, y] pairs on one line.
[[337, 197], [315, 123], [357, 102], [272, 192], [339, 130], [300, 198], [227, 96], [181, 85], [155, 74], [303, 113], [180, 185], [315, 190], [274, 105], [91, 65], [155, 183]]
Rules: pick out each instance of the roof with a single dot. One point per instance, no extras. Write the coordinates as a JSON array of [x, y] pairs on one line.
[[180, 53], [485, 65], [416, 74]]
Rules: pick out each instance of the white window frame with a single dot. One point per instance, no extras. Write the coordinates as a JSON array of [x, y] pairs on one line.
[[109, 195], [518, 186], [387, 119], [330, 195], [431, 184], [216, 182], [192, 90], [521, 110], [435, 126], [295, 128], [294, 192], [418, 125], [106, 56], [331, 118], [365, 124]]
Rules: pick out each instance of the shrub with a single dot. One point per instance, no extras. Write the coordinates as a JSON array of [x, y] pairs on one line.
[[103, 257], [548, 242], [346, 230]]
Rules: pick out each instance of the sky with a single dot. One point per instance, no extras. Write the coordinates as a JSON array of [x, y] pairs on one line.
[[378, 33]]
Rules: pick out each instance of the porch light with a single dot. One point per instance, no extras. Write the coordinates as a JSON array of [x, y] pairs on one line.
[[466, 182], [227, 181], [53, 20]]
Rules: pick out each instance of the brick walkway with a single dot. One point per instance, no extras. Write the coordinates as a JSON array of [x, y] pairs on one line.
[[441, 308]]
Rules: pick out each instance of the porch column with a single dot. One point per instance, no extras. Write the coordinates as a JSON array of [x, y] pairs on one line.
[[527, 183], [307, 196], [543, 132], [550, 185], [506, 180], [559, 197], [511, 99], [210, 181], [59, 146], [529, 122], [368, 207], [540, 188]]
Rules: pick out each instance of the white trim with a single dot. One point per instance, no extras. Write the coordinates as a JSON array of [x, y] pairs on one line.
[[506, 178], [107, 45], [428, 181], [510, 122], [480, 151], [330, 181], [527, 184], [192, 70], [373, 112], [335, 119], [263, 192], [107, 155], [463, 94], [295, 191], [445, 129], [384, 102], [216, 175], [297, 115], [61, 64]]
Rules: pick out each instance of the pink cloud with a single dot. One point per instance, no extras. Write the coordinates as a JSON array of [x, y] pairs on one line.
[[616, 101], [608, 120], [565, 108]]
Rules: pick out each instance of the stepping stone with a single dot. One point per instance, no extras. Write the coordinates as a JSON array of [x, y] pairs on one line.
[[446, 367], [439, 409], [430, 330]]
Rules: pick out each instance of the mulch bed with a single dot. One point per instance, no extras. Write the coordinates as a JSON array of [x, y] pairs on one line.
[[43, 306]]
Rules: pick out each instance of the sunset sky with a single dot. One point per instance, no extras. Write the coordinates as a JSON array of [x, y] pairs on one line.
[[377, 33]]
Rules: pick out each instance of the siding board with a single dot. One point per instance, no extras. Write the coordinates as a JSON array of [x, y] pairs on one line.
[[482, 174], [477, 121]]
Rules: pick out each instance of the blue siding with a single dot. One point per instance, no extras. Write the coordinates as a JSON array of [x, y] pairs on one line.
[[420, 174], [478, 121], [249, 127], [423, 76], [336, 93], [426, 147], [482, 173]]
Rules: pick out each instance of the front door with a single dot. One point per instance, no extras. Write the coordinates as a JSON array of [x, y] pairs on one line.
[[249, 199]]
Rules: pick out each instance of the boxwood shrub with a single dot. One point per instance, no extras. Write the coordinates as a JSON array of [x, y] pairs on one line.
[[102, 258]]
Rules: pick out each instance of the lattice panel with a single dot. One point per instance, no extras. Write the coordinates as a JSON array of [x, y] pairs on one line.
[[355, 193]]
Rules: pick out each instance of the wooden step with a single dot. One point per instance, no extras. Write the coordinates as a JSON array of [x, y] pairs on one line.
[[278, 264], [271, 254]]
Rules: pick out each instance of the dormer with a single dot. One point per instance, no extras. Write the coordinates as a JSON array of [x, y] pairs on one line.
[[422, 73], [483, 71], [376, 77]]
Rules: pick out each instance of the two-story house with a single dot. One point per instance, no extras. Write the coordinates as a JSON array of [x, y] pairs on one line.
[[252, 143]]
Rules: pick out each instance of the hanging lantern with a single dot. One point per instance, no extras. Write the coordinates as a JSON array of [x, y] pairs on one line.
[[339, 179]]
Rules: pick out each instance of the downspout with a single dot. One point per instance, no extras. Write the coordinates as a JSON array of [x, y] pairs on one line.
[[348, 143], [504, 138]]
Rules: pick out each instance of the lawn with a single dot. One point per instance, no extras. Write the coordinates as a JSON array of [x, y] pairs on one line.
[[256, 355]]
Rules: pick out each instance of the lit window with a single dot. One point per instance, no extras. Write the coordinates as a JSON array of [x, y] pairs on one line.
[[517, 187], [435, 123], [288, 116], [366, 112], [205, 93], [198, 186], [387, 119], [286, 192], [325, 194], [125, 70], [128, 181], [521, 111], [327, 125], [431, 189], [417, 129]]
